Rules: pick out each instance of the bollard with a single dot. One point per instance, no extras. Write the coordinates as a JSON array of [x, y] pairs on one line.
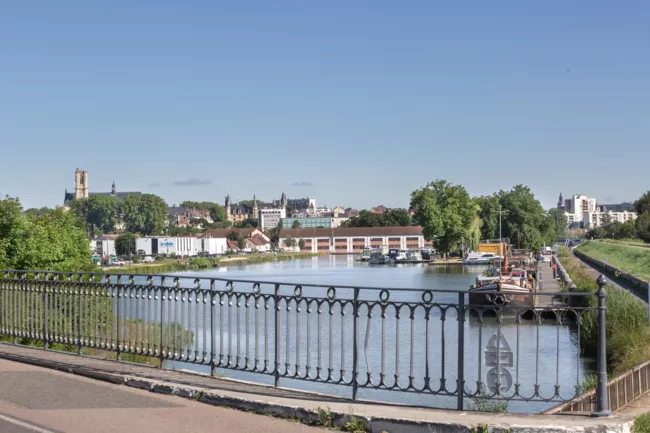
[[602, 402]]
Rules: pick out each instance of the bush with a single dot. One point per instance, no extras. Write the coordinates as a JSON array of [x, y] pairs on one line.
[[642, 423]]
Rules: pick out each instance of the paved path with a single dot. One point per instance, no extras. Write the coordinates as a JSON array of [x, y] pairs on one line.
[[51, 400], [35, 399]]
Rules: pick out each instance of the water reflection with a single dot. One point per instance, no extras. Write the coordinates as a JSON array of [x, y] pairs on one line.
[[419, 351]]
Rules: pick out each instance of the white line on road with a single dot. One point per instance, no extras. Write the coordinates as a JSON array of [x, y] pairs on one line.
[[24, 424]]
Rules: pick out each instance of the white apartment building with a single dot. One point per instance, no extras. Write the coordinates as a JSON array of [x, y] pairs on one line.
[[577, 206], [597, 219], [270, 218]]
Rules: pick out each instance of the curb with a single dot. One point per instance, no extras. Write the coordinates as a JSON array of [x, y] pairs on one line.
[[308, 416]]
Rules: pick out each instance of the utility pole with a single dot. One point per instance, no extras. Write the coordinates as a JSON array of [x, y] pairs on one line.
[[501, 212]]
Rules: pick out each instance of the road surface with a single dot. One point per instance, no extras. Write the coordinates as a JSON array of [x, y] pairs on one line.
[[39, 400]]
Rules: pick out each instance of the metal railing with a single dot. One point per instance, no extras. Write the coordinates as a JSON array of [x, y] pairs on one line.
[[442, 343]]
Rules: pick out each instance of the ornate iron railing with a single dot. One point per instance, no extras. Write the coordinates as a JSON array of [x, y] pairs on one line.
[[442, 343]]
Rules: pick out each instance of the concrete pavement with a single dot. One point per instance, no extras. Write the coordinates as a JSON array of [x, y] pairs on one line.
[[39, 400], [62, 402]]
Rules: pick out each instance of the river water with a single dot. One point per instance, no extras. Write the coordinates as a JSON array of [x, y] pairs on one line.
[[543, 353]]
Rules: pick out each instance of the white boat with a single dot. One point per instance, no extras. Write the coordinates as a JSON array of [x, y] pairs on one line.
[[378, 258], [480, 258]]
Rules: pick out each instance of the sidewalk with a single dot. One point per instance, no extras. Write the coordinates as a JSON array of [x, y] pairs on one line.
[[304, 406]]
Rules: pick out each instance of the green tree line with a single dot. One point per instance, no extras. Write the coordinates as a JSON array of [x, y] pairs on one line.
[[631, 229], [454, 220]]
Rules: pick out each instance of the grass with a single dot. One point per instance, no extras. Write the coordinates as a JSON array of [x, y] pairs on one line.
[[642, 423], [628, 335], [627, 258]]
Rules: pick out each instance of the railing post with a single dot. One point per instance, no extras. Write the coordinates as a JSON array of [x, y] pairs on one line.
[[460, 387], [213, 337], [45, 315], [276, 338], [162, 321], [119, 314], [602, 400], [355, 343]]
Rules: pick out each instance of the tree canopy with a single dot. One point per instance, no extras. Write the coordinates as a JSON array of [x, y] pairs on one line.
[[98, 211], [390, 218], [54, 240], [642, 205], [295, 225], [125, 244], [145, 214], [217, 212], [446, 214]]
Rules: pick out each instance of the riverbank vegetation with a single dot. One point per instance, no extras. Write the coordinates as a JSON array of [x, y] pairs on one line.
[[455, 221], [199, 263], [627, 257], [628, 335], [49, 239]]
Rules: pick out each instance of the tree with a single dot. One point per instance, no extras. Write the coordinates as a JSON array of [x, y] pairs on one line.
[[301, 244], [247, 223], [488, 207], [290, 242], [217, 212], [145, 214], [607, 219], [642, 205], [54, 240], [445, 212], [295, 225], [396, 218], [525, 218], [560, 222], [241, 242], [38, 211], [274, 236], [99, 211], [233, 236], [643, 226], [125, 244]]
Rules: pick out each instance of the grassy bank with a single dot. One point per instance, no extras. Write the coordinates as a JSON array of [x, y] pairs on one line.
[[177, 265], [628, 335], [629, 258]]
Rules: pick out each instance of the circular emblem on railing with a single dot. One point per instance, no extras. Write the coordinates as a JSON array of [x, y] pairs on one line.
[[149, 280], [427, 297], [176, 283], [297, 292], [230, 286], [257, 289], [131, 280], [69, 277], [384, 295], [331, 293], [197, 283], [108, 279]]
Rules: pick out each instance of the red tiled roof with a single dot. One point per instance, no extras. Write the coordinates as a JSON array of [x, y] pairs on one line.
[[352, 231], [256, 241], [233, 245]]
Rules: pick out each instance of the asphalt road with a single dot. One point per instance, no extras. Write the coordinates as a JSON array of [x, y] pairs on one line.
[[38, 400]]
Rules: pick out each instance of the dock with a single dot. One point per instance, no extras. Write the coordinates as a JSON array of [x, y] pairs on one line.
[[547, 284]]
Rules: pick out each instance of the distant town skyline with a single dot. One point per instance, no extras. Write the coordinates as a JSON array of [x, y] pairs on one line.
[[351, 104], [195, 195]]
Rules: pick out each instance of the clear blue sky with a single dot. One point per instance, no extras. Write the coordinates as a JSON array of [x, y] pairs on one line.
[[351, 102]]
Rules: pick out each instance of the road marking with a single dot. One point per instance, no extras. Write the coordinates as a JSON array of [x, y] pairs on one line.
[[24, 424]]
